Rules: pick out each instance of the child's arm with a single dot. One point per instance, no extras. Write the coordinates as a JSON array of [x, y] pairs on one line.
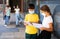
[[48, 29], [25, 20], [10, 8], [25, 23]]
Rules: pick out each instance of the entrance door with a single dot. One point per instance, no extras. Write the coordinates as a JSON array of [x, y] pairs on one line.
[[14, 3]]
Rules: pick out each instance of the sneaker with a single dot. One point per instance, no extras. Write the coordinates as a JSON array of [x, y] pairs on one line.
[[17, 25], [8, 23], [21, 20], [5, 25]]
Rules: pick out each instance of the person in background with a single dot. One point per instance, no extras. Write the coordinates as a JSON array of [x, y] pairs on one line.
[[7, 14], [47, 23], [17, 15], [31, 17]]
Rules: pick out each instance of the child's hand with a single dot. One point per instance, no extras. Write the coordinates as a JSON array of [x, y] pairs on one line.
[[25, 23], [42, 28]]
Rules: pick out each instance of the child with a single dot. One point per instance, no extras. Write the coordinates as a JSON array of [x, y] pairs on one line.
[[31, 17], [7, 9], [47, 23], [17, 15]]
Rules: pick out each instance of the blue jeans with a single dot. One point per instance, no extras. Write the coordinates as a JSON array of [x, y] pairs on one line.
[[7, 20], [17, 19]]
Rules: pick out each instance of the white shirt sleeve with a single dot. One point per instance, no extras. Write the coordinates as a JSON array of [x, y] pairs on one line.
[[17, 9], [50, 20], [47, 21]]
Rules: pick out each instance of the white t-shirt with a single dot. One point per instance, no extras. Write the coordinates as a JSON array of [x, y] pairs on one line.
[[46, 21], [17, 10]]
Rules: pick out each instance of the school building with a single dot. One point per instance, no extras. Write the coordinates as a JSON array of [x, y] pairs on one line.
[[23, 4]]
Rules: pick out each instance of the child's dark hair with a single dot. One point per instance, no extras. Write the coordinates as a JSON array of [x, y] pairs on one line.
[[45, 8], [31, 6]]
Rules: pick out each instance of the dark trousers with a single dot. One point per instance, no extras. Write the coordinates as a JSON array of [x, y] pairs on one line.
[[30, 36], [44, 35]]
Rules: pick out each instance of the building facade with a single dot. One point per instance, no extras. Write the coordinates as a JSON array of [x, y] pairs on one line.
[[23, 4]]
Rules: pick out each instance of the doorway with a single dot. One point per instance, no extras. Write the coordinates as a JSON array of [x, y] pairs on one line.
[[14, 3]]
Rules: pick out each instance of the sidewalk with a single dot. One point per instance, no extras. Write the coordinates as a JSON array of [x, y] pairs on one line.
[[12, 35]]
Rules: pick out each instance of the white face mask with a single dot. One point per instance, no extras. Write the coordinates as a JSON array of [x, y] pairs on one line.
[[43, 14], [31, 12]]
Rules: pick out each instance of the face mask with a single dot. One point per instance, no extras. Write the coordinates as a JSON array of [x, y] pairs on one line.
[[43, 14], [31, 12]]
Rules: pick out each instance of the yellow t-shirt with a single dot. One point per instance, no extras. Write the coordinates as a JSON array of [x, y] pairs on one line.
[[31, 18]]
